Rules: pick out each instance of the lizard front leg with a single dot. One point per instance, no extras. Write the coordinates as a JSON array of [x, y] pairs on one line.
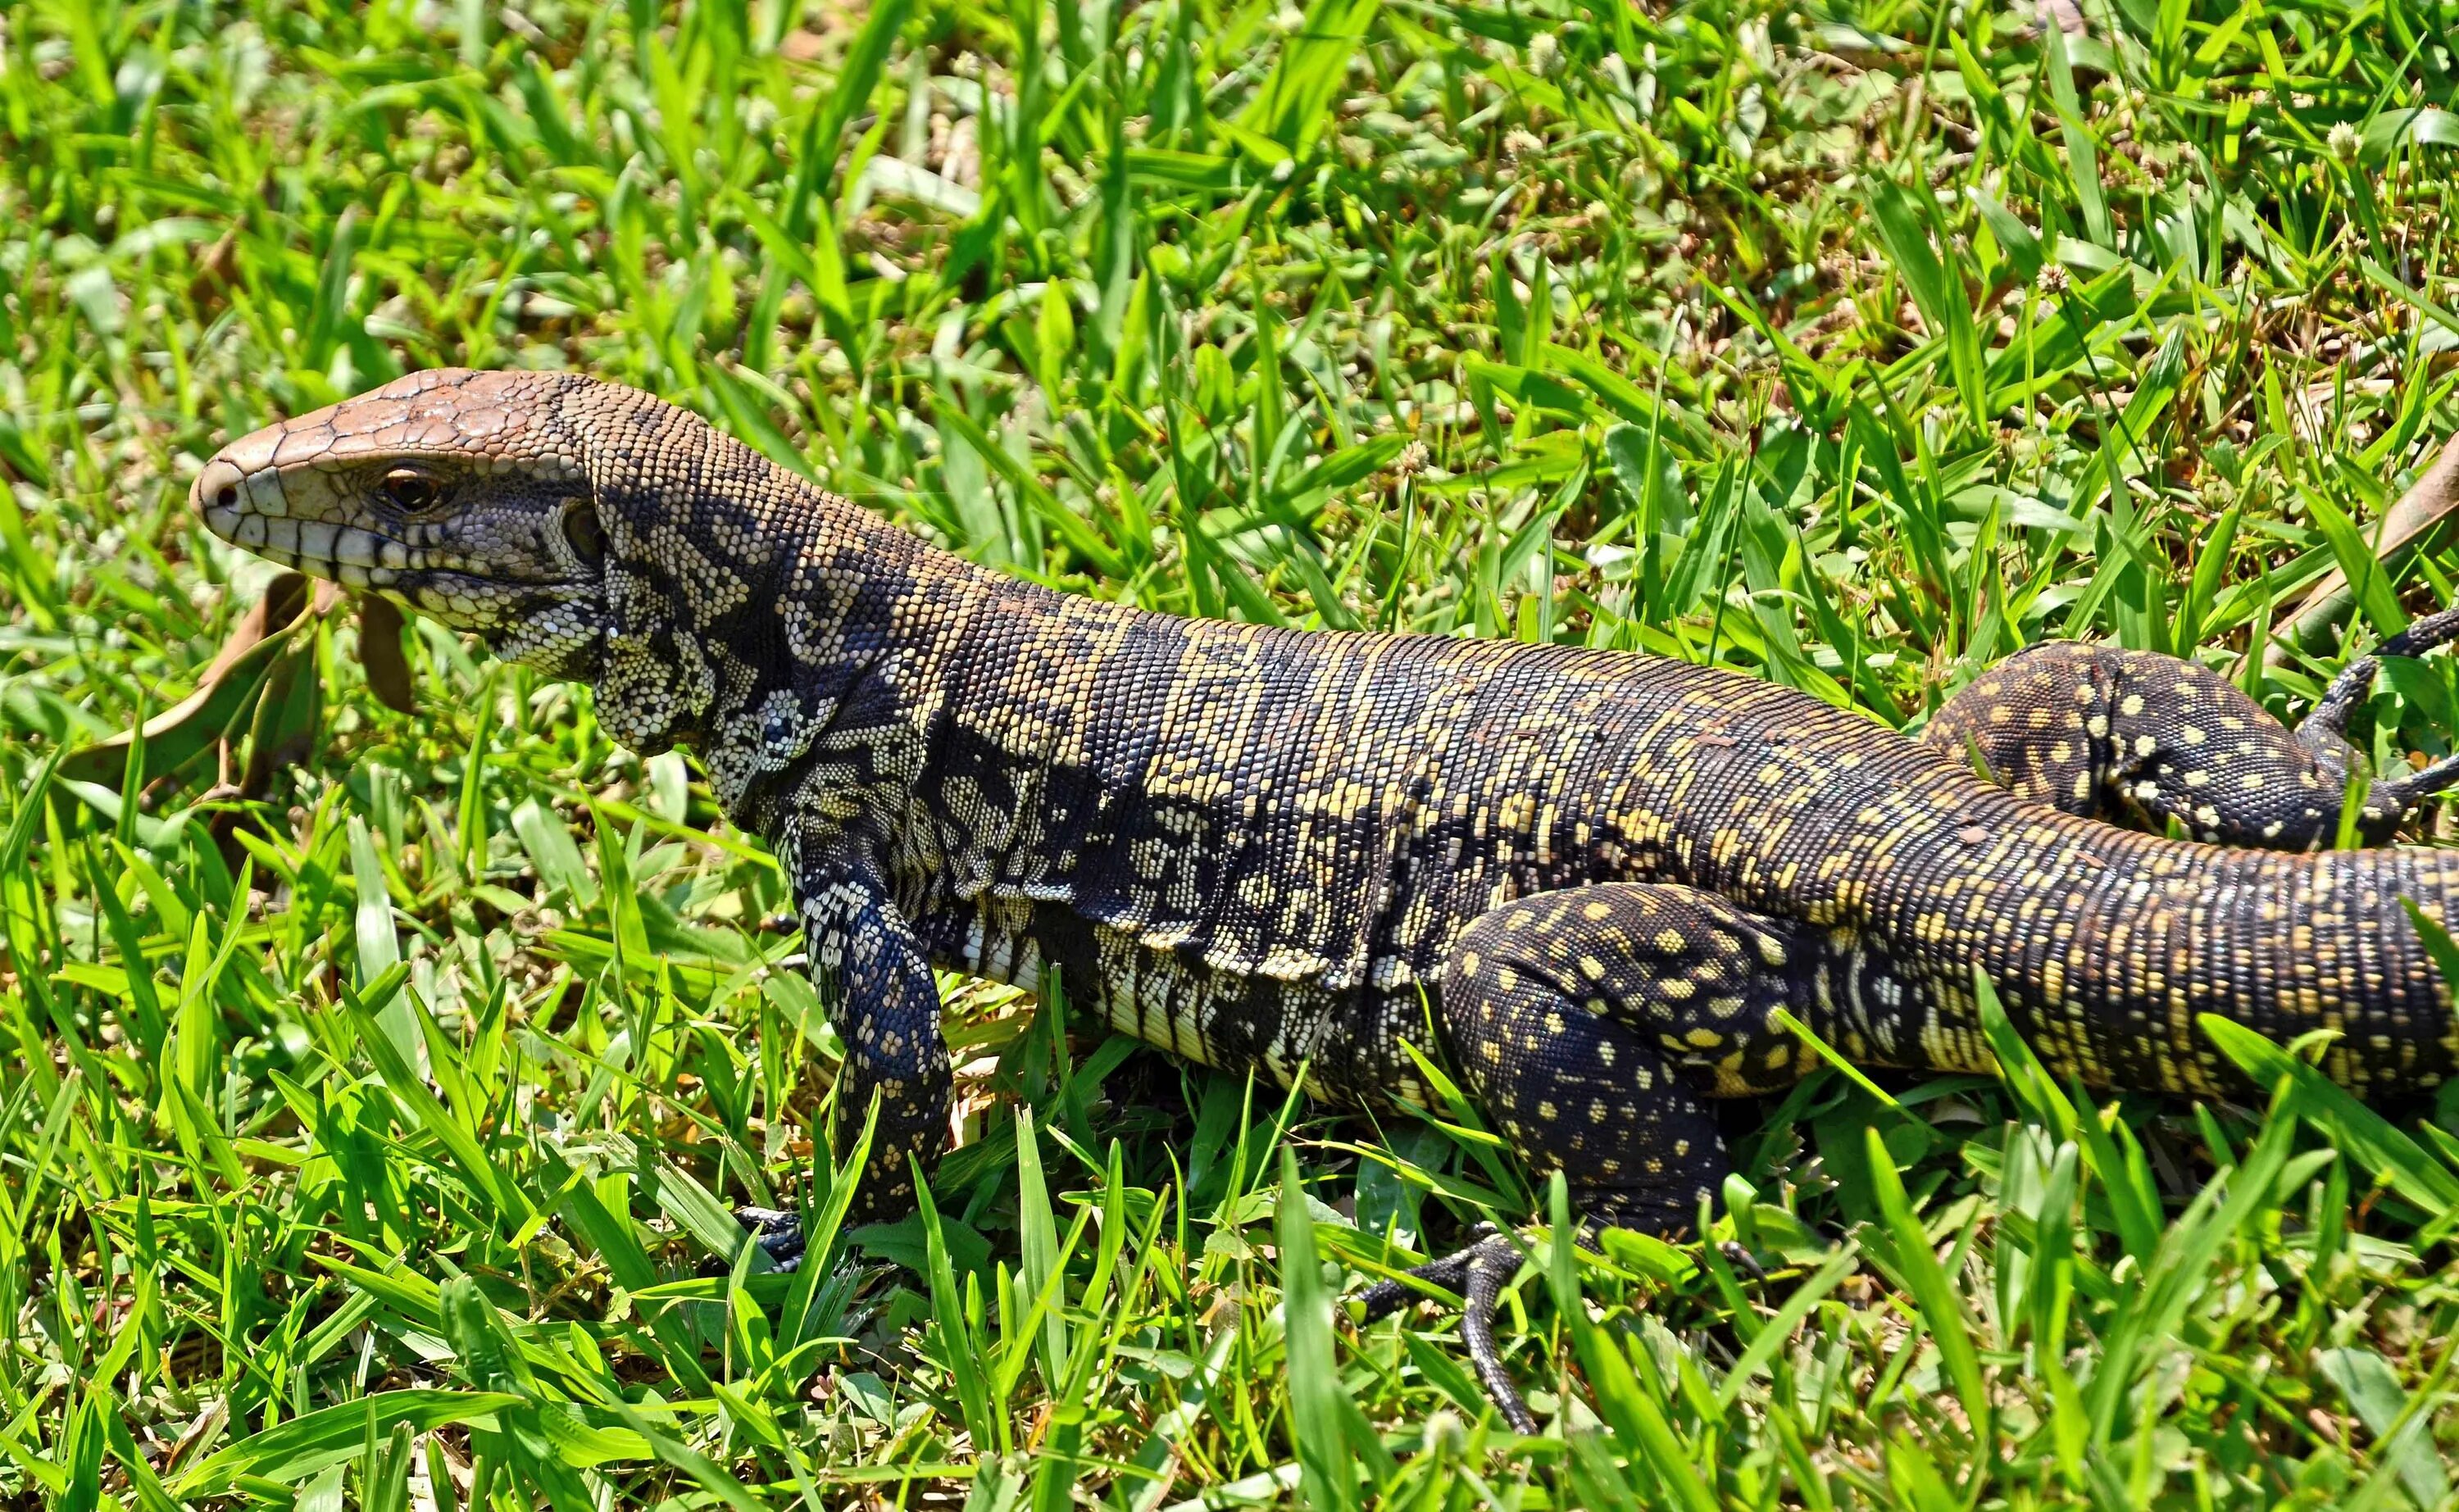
[[876, 984]]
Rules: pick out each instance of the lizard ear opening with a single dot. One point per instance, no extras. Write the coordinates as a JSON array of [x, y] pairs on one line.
[[582, 532]]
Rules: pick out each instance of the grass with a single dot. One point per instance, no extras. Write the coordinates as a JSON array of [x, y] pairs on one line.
[[376, 1083]]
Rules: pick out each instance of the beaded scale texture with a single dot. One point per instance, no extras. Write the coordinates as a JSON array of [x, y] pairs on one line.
[[1587, 877]]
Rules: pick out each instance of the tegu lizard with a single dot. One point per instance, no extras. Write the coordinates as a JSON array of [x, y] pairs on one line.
[[1588, 878]]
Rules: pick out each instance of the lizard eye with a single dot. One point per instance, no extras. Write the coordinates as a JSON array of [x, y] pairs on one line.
[[408, 490], [582, 532]]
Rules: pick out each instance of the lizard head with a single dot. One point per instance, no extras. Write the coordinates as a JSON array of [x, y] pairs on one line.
[[590, 530], [463, 495]]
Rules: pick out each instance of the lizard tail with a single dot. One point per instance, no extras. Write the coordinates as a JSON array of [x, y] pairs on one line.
[[2125, 941]]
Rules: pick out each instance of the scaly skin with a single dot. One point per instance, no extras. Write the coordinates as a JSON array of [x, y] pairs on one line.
[[1587, 876]]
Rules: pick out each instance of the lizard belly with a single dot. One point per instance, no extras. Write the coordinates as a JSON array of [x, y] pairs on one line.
[[1343, 1044]]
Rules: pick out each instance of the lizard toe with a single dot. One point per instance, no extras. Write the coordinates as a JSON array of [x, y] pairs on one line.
[[778, 1233], [1478, 1273]]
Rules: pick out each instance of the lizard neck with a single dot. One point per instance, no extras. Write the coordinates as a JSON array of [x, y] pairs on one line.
[[767, 623]]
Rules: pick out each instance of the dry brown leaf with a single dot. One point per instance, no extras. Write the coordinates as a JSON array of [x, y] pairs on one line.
[[224, 695], [380, 653], [260, 688], [2433, 496]]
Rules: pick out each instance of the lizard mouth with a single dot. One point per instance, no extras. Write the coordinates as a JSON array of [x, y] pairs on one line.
[[346, 554], [252, 511]]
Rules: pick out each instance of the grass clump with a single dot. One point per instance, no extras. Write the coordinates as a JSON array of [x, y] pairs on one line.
[[378, 1081]]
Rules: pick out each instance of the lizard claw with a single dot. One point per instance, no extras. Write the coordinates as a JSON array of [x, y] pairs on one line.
[[777, 1232], [1478, 1273], [1740, 1258]]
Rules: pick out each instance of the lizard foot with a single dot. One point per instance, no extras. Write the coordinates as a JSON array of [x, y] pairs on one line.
[[777, 1232], [1478, 1273], [2326, 730]]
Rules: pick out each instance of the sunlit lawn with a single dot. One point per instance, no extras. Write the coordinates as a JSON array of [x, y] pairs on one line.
[[381, 1080]]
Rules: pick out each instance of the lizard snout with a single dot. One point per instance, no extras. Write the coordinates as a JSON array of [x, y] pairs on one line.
[[217, 495]]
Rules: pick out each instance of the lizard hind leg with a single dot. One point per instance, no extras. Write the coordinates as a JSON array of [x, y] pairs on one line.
[[2136, 737], [1591, 1025], [2325, 730]]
